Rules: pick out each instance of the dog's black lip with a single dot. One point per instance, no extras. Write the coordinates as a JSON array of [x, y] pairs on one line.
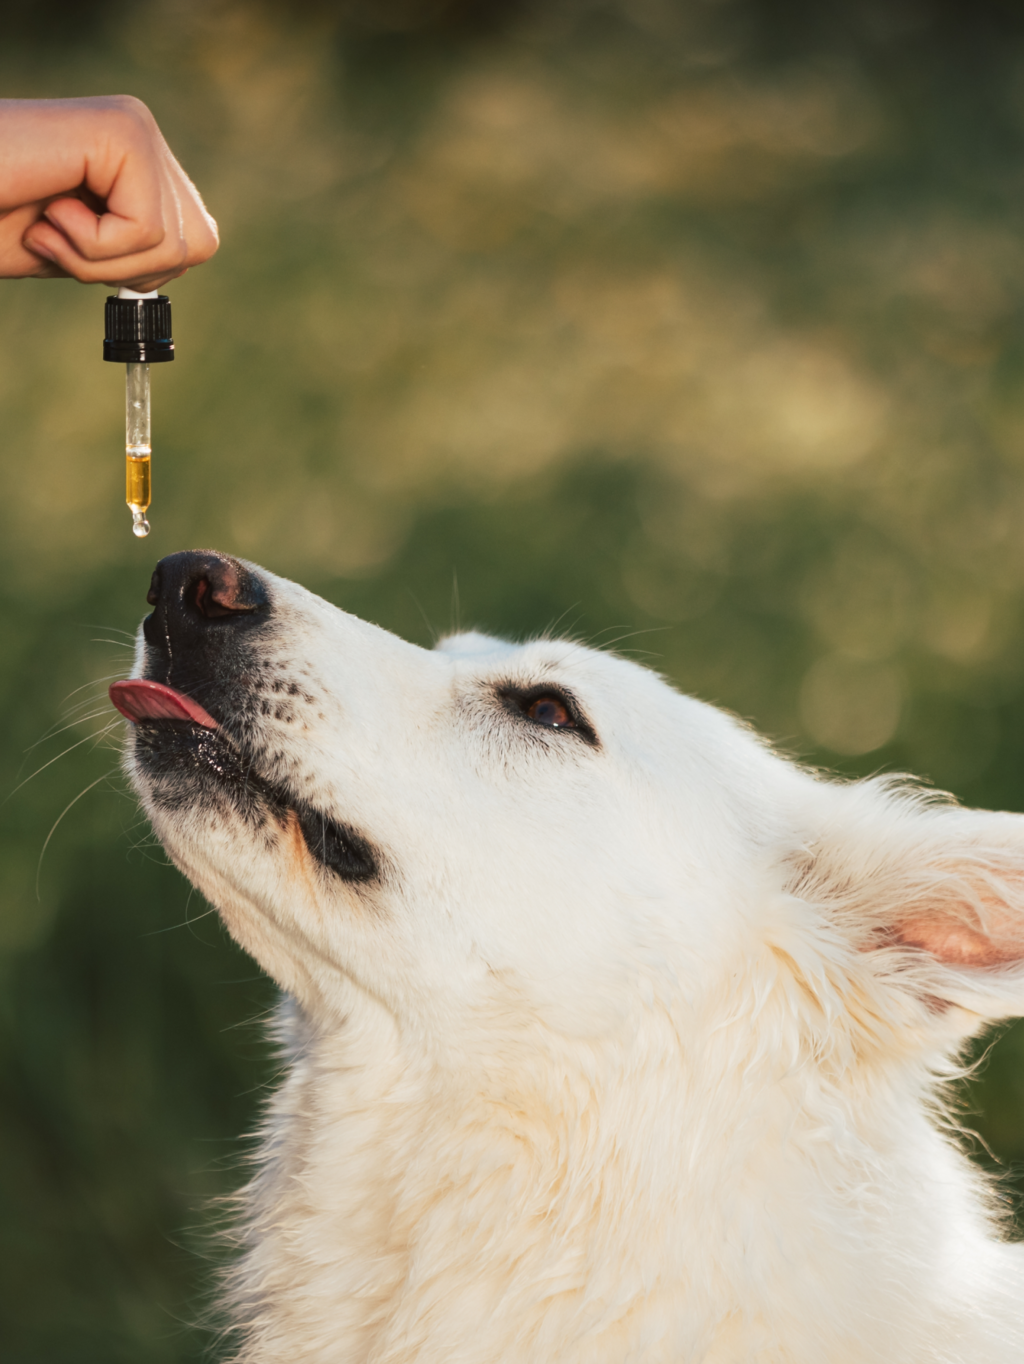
[[151, 722], [336, 846]]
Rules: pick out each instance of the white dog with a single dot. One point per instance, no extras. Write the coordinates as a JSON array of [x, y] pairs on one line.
[[614, 1038]]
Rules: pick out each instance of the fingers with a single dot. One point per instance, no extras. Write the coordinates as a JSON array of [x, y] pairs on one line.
[[155, 227], [16, 261], [180, 248], [89, 248], [152, 224], [115, 249]]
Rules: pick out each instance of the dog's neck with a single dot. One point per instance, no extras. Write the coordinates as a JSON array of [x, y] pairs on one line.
[[645, 1201]]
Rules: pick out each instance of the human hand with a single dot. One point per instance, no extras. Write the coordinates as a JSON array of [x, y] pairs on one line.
[[89, 189]]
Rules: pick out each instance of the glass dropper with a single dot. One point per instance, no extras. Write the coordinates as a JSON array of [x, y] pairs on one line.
[[138, 333], [138, 452]]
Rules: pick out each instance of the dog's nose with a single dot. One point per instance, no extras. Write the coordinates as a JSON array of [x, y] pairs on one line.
[[198, 591]]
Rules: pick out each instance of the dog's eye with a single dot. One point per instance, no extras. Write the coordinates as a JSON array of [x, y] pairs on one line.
[[548, 706], [549, 710]]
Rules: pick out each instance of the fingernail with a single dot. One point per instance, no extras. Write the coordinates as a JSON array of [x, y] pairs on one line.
[[43, 251]]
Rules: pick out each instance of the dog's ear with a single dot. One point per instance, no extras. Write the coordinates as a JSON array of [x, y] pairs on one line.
[[931, 897]]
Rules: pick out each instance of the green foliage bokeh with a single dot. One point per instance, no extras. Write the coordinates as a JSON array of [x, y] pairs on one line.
[[697, 327]]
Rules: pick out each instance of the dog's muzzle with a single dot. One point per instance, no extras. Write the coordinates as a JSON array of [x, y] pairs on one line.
[[198, 593], [199, 640]]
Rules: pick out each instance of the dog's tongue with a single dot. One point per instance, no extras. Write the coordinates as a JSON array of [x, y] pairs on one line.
[[140, 700]]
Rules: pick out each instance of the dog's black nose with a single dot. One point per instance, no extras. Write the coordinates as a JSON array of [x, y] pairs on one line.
[[199, 591]]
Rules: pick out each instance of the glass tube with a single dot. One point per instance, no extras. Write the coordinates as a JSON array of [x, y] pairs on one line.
[[138, 451]]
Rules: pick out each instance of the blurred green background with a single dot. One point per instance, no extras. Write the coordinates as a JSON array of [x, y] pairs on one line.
[[702, 319]]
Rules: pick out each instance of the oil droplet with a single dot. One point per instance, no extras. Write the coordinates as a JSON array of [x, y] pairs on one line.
[[137, 486]]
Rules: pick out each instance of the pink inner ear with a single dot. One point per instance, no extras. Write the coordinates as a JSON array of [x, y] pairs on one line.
[[956, 943]]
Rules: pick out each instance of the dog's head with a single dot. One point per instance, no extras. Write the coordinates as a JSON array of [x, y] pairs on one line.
[[542, 836]]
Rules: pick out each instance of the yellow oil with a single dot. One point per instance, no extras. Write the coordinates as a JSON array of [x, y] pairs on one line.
[[137, 490]]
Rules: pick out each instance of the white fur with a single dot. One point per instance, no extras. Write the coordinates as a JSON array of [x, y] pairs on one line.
[[631, 1055]]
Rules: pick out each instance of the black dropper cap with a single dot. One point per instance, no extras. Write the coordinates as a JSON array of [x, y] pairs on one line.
[[138, 330]]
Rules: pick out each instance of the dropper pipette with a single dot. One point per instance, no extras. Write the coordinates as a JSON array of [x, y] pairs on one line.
[[138, 333], [138, 451]]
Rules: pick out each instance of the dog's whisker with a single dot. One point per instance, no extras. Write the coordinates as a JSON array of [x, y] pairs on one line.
[[95, 682], [70, 805], [456, 607], [72, 717], [95, 738], [549, 629], [431, 631], [632, 634], [63, 726], [185, 923], [130, 635]]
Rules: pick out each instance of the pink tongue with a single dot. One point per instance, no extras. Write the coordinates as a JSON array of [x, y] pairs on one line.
[[139, 700]]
